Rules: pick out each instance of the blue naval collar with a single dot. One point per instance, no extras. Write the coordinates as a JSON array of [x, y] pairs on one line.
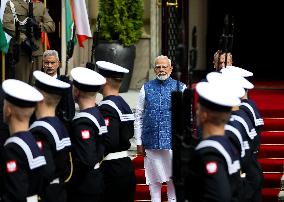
[[224, 146], [95, 116], [56, 129], [26, 141]]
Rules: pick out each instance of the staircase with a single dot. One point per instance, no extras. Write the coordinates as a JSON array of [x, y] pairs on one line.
[[270, 101], [142, 190], [271, 155]]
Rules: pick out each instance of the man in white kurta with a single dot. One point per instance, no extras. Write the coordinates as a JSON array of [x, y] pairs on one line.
[[153, 128]]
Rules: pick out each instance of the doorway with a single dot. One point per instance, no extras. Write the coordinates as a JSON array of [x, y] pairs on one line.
[[257, 35], [54, 9]]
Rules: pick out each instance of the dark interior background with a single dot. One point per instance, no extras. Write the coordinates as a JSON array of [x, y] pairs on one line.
[[258, 36], [54, 7]]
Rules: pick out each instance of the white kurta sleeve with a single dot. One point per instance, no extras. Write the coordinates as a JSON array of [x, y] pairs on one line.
[[183, 88], [139, 116]]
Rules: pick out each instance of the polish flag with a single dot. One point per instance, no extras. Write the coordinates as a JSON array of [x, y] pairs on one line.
[[83, 30]]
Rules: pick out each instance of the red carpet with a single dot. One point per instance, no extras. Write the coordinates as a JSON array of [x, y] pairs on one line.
[[142, 190], [269, 97], [270, 102]]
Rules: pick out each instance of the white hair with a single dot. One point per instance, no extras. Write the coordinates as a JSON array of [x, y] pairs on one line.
[[50, 53], [163, 57]]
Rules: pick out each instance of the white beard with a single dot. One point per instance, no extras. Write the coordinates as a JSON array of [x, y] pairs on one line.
[[162, 77]]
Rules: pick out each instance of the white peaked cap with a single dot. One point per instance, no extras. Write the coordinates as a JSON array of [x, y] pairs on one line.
[[238, 80], [108, 69], [232, 83], [48, 83], [86, 79], [111, 67], [237, 71], [20, 93], [242, 81], [216, 94]]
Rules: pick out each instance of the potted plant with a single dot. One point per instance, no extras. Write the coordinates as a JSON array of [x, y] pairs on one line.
[[120, 28]]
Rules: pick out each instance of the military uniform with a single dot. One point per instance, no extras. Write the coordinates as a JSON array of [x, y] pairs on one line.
[[4, 130], [119, 173], [216, 171], [253, 171], [24, 66], [22, 159], [23, 174], [242, 132], [241, 117], [53, 139], [87, 130], [237, 134], [65, 109], [253, 113], [249, 107]]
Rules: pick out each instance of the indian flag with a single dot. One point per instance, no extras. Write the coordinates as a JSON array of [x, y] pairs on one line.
[[4, 37], [77, 18]]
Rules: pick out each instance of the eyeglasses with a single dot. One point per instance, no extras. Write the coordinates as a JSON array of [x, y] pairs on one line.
[[161, 66], [46, 63]]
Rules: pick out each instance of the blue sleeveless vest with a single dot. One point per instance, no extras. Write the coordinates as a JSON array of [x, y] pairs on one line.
[[157, 124]]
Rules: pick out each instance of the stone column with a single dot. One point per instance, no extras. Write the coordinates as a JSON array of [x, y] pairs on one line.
[[155, 33]]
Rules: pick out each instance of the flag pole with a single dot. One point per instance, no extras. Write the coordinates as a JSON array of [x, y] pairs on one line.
[[45, 34], [63, 40], [3, 66]]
